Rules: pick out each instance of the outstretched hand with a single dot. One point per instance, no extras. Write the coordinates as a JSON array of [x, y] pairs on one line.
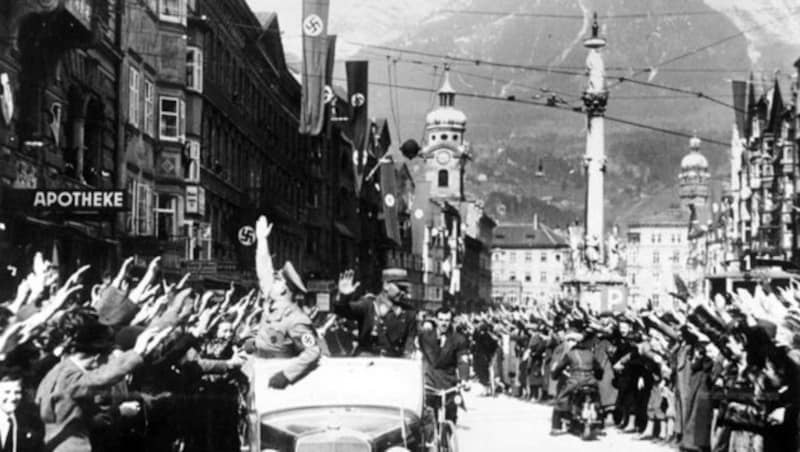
[[263, 228], [346, 285]]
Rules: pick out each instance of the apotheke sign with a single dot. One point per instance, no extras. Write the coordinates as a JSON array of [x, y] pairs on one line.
[[94, 201]]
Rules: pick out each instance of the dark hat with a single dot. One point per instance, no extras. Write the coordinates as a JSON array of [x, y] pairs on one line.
[[93, 337], [10, 372], [126, 337], [292, 278]]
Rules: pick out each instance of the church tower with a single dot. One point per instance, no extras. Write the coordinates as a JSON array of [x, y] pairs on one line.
[[694, 176], [444, 151]]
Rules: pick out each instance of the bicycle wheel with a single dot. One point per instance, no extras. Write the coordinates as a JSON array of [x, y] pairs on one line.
[[448, 442]]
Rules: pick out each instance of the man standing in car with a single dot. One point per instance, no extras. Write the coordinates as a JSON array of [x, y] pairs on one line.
[[443, 349]]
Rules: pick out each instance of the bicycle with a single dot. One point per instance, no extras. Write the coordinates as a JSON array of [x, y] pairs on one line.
[[444, 431]]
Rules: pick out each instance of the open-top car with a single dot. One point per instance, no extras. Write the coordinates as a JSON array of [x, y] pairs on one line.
[[344, 405]]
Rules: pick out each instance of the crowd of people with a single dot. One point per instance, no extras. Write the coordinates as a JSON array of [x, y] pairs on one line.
[[139, 363], [705, 375]]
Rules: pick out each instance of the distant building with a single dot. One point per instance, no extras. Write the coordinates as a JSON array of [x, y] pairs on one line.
[[657, 248], [450, 231], [528, 263]]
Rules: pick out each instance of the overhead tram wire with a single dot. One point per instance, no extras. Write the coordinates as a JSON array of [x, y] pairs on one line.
[[557, 107], [698, 94], [708, 46], [642, 15], [543, 90]]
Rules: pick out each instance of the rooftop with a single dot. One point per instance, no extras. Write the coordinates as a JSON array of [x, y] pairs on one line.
[[526, 235]]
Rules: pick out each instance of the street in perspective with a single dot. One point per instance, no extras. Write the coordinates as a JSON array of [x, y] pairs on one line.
[[399, 225]]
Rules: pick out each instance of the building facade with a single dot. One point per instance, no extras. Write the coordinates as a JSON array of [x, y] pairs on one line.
[[765, 176], [530, 258], [61, 126], [657, 248]]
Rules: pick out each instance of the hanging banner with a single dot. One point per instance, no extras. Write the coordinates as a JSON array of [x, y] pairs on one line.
[[357, 83], [315, 57], [389, 197], [740, 104]]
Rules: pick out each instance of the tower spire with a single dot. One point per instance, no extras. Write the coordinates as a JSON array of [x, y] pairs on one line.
[[447, 95]]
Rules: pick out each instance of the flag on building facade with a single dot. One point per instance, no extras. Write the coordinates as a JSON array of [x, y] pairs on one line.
[[776, 110], [328, 93], [315, 57], [357, 87], [389, 202], [751, 108], [740, 103]]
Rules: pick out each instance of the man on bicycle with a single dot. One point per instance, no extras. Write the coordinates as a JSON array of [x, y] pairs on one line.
[[443, 349]]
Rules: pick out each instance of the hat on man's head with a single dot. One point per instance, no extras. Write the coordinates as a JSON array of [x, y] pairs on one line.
[[398, 276], [92, 338], [292, 278], [10, 372]]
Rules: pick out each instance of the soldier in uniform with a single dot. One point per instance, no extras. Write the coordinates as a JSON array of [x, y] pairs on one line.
[[384, 328], [285, 330]]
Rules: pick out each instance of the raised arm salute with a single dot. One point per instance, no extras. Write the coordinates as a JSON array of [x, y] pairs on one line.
[[285, 330]]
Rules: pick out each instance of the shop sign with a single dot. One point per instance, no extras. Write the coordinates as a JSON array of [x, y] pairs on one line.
[[192, 199], [66, 201], [201, 268]]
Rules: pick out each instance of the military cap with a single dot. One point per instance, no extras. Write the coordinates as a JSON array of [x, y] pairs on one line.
[[292, 278], [398, 276]]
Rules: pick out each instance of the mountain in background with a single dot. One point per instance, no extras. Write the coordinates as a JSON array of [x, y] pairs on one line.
[[715, 42]]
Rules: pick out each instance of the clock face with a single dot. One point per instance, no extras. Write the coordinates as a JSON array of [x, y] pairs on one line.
[[443, 158]]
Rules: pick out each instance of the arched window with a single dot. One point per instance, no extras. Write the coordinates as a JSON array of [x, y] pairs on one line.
[[444, 177]]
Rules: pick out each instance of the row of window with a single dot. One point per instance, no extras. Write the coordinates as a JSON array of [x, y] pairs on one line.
[[444, 137], [170, 10], [675, 257], [528, 256], [141, 109], [512, 276], [240, 85]]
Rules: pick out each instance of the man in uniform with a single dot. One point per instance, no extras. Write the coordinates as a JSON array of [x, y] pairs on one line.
[[285, 330], [382, 328]]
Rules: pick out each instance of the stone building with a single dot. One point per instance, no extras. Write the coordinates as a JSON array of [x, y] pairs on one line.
[[61, 126], [528, 263]]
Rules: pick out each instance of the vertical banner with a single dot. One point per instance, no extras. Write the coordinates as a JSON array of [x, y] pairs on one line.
[[751, 108], [776, 110], [389, 196], [740, 104], [315, 56], [328, 95], [357, 82]]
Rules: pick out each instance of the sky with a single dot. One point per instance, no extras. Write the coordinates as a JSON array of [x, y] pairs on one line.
[[289, 19]]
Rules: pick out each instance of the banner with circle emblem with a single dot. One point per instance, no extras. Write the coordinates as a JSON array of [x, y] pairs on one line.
[[315, 60]]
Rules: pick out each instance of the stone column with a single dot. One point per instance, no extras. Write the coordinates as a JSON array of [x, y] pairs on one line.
[[594, 98]]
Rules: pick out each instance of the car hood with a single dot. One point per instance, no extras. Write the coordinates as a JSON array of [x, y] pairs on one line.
[[370, 421], [343, 382]]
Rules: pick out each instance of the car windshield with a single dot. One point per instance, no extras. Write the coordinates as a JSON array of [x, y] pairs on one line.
[[342, 382]]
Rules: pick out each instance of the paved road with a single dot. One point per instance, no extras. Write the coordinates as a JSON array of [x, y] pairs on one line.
[[505, 424]]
